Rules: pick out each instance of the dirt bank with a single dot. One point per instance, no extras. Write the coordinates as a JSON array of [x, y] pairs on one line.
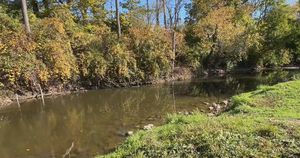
[[8, 97]]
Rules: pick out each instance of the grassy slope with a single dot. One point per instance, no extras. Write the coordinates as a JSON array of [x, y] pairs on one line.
[[263, 123]]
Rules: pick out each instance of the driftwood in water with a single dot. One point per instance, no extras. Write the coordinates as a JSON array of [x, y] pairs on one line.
[[68, 151], [42, 95], [17, 98]]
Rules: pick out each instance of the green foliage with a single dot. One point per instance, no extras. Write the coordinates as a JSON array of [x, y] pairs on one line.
[[122, 64], [76, 42], [278, 101], [228, 34], [131, 5], [276, 29], [251, 129], [153, 51], [7, 22], [222, 34]]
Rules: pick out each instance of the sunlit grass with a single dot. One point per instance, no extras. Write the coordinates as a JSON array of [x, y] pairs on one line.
[[262, 123]]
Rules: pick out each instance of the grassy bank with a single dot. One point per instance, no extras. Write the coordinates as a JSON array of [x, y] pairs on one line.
[[262, 123]]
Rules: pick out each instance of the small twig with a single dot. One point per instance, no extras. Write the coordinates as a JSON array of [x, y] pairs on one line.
[[68, 151]]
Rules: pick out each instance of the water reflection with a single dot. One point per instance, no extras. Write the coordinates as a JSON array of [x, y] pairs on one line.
[[95, 120]]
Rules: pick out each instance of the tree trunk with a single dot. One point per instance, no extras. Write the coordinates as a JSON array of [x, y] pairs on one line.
[[69, 2], [165, 14], [35, 7], [175, 14], [148, 12], [25, 16], [46, 4], [173, 48], [118, 18], [84, 15], [175, 20], [157, 11]]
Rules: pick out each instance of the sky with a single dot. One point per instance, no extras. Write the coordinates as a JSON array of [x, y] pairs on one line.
[[183, 13], [292, 1]]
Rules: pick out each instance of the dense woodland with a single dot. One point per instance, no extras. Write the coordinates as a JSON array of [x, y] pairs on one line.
[[62, 43]]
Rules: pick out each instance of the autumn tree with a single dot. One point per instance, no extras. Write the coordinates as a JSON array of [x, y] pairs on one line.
[[219, 32]]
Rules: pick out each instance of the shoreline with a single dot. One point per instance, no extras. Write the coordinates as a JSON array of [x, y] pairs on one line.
[[8, 98], [180, 74], [259, 123]]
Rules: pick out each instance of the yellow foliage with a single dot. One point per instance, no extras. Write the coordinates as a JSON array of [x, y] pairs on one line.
[[152, 49], [55, 49], [221, 24]]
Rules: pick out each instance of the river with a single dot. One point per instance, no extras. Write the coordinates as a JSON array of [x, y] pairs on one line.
[[95, 121]]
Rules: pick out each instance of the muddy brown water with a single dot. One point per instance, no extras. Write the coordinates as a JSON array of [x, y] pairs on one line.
[[96, 120]]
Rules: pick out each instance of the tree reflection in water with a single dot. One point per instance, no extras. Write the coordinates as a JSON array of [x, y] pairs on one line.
[[95, 120]]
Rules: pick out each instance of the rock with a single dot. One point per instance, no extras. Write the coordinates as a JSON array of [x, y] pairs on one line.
[[129, 133], [211, 108], [225, 102], [206, 103], [191, 113], [258, 69], [210, 114], [186, 113], [150, 119], [218, 107], [214, 105], [148, 127], [220, 71]]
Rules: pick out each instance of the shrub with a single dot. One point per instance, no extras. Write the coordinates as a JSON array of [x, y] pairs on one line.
[[54, 49], [18, 63], [153, 51]]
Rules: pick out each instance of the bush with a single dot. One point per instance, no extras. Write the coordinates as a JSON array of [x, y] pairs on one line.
[[18, 63], [54, 49], [153, 52]]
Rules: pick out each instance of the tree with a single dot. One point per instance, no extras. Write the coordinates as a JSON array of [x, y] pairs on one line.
[[157, 11], [118, 18], [165, 14], [25, 16], [90, 10], [174, 20], [46, 4], [148, 12], [136, 14], [131, 5], [221, 32], [279, 42], [35, 7]]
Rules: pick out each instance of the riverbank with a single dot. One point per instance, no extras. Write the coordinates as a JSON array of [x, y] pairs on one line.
[[7, 97], [262, 123]]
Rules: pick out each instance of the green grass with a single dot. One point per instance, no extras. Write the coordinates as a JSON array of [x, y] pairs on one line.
[[262, 123]]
